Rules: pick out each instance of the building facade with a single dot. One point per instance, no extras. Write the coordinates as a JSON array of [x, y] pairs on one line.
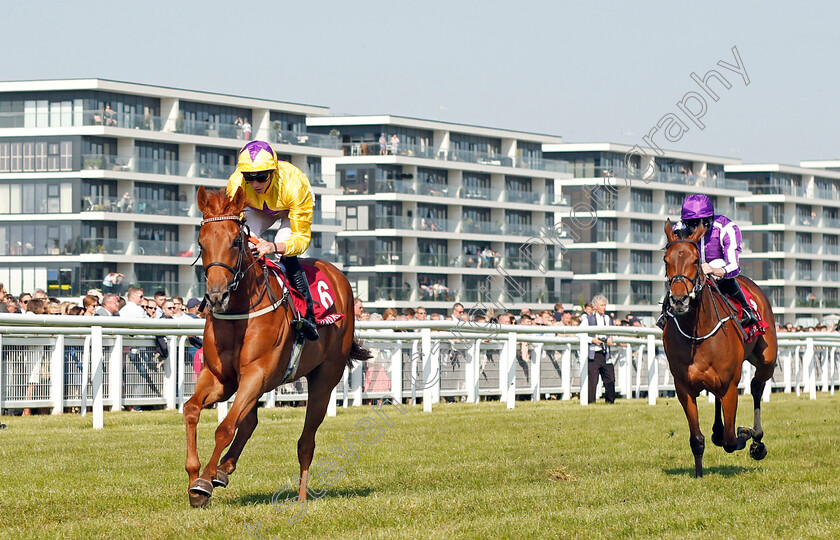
[[100, 176]]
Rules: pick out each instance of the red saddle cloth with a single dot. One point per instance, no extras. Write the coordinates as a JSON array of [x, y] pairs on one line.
[[321, 289], [753, 329]]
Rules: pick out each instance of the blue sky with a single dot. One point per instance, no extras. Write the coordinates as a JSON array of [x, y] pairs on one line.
[[588, 71]]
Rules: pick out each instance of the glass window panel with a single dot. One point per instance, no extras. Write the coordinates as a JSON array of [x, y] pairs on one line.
[[40, 156], [28, 206], [66, 197], [66, 155], [41, 198], [28, 156], [14, 199], [4, 157], [5, 206]]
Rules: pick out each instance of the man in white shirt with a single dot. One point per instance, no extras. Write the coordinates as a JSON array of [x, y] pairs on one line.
[[600, 362], [132, 307]]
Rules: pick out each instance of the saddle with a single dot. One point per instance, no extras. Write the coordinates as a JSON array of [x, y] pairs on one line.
[[754, 329], [320, 288]]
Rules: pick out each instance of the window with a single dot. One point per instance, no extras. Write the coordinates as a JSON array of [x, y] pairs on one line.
[[432, 182], [432, 252], [36, 197], [518, 222], [476, 186]]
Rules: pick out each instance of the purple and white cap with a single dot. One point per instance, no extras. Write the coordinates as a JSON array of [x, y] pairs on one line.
[[697, 206]]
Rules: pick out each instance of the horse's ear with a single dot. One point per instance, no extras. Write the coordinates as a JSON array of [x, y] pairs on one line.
[[238, 200], [201, 199], [669, 231], [698, 233]]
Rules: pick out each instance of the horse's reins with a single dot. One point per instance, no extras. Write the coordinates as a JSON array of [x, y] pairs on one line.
[[239, 273], [697, 288]]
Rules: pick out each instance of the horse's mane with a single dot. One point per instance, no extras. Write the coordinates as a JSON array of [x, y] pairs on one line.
[[219, 204]]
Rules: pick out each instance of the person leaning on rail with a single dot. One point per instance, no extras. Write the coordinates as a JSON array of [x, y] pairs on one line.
[[277, 190], [720, 249]]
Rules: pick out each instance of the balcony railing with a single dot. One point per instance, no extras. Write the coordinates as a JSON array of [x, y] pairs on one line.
[[392, 293], [478, 193], [804, 275], [644, 207], [518, 263], [393, 222], [89, 117], [645, 298], [481, 227], [646, 269], [395, 186], [391, 257], [208, 170], [327, 219], [304, 138], [522, 196], [831, 249], [521, 229], [830, 276], [645, 238], [137, 206], [110, 246], [435, 225], [831, 223], [164, 248], [432, 259]]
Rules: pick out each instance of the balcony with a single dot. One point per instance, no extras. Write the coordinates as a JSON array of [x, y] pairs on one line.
[[522, 197], [804, 275], [163, 248], [801, 247], [131, 205], [644, 207], [646, 238], [393, 222], [104, 162], [646, 269], [440, 260], [435, 225], [392, 293], [477, 193], [395, 186], [207, 170], [371, 147], [480, 227], [89, 117], [645, 298], [436, 190], [110, 246], [391, 257], [831, 249], [518, 263], [303, 138], [830, 276], [326, 219], [521, 229], [322, 254]]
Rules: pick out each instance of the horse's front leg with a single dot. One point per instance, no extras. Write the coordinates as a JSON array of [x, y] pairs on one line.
[[695, 438], [228, 464], [208, 390], [717, 427], [247, 394], [729, 402], [763, 373]]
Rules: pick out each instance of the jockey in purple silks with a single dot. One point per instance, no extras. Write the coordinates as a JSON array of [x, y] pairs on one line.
[[720, 249]]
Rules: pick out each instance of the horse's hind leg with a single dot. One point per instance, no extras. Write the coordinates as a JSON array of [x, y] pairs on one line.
[[763, 373], [321, 382], [208, 390], [729, 402], [696, 438], [228, 464], [717, 427]]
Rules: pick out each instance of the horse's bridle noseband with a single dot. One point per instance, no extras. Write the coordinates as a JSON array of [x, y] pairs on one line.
[[699, 281]]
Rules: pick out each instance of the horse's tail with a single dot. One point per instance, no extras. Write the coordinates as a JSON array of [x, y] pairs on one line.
[[357, 352]]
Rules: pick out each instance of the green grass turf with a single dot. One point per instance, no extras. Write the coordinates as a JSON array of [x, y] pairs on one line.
[[547, 469]]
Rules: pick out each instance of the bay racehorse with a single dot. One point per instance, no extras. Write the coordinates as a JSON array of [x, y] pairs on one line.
[[706, 348], [248, 342]]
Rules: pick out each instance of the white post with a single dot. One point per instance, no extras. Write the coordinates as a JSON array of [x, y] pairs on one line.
[[536, 364], [169, 373], [435, 359], [271, 398], [2, 389], [396, 373], [810, 361], [345, 385], [332, 406], [357, 380], [510, 371], [584, 368], [566, 373], [181, 373], [428, 373], [653, 370], [786, 370], [115, 374], [639, 354], [471, 372], [96, 366], [56, 376], [503, 369], [746, 375], [831, 367], [797, 371], [824, 375], [85, 375], [221, 410], [415, 352]]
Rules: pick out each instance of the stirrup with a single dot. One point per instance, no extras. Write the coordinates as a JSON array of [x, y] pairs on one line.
[[307, 327], [748, 317]]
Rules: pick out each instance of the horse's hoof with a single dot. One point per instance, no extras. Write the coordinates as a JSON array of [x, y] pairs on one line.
[[201, 487], [717, 438], [758, 451], [746, 432], [199, 500], [221, 479]]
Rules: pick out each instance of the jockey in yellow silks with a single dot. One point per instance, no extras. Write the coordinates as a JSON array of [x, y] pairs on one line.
[[277, 190]]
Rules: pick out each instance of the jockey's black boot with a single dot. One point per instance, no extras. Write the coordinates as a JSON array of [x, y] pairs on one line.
[[731, 288], [660, 322], [297, 277]]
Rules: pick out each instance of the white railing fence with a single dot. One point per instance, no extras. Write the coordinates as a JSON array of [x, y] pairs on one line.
[[63, 362]]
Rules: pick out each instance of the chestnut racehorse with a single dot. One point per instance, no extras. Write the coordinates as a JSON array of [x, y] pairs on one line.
[[249, 354], [706, 350]]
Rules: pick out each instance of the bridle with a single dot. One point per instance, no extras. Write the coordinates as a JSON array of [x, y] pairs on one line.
[[239, 243], [697, 285], [699, 280], [238, 273]]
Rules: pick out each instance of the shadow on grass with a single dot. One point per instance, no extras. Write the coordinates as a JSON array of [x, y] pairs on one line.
[[265, 498], [722, 470]]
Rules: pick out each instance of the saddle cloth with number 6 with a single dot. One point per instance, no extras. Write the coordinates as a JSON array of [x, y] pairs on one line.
[[321, 289]]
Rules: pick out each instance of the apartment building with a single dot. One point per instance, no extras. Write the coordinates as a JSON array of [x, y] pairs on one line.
[[100, 176], [435, 213]]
